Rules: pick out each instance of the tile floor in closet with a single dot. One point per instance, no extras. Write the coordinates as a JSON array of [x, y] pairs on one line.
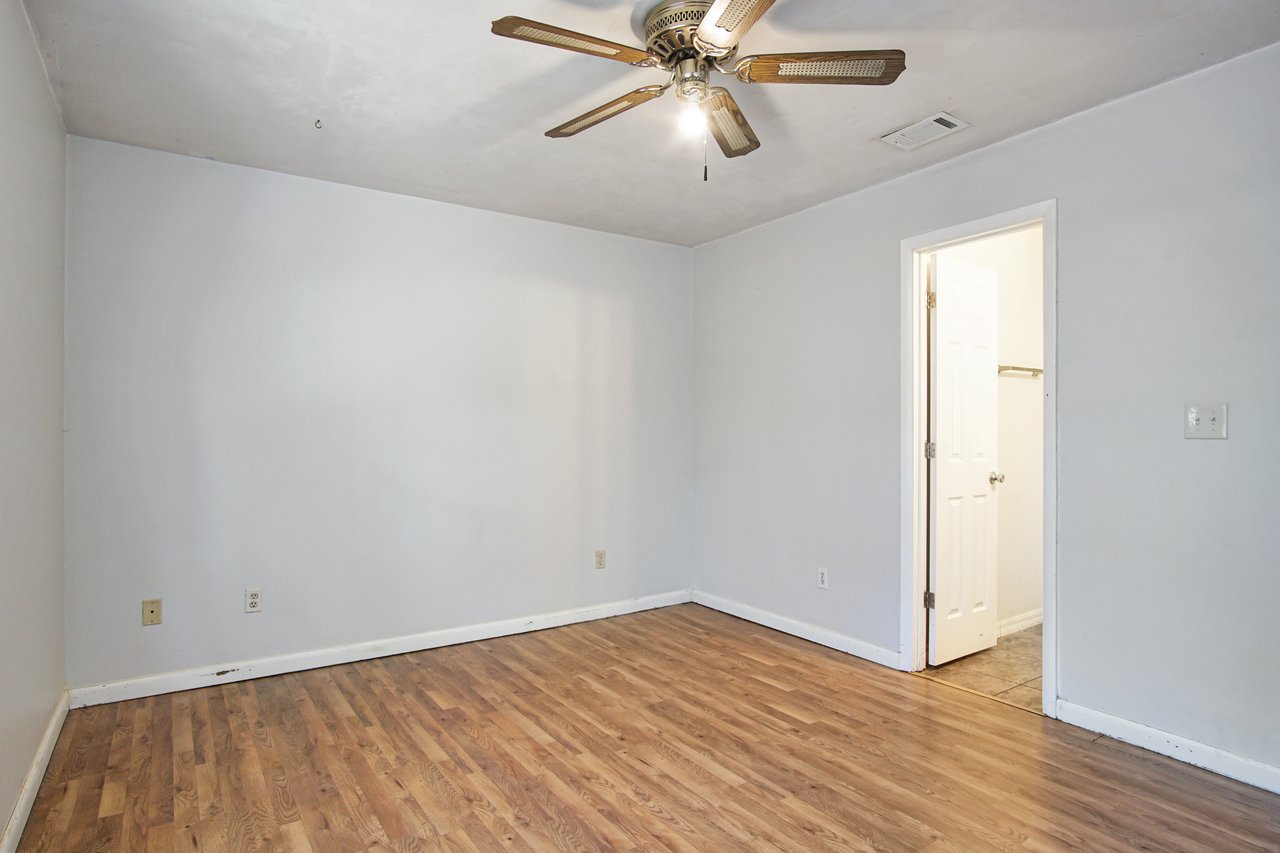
[[1011, 671]]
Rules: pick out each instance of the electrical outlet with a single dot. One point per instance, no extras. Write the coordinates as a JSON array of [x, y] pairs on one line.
[[599, 559], [253, 601], [822, 579], [151, 611]]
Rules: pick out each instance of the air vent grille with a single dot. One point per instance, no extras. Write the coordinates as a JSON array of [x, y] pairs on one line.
[[924, 131]]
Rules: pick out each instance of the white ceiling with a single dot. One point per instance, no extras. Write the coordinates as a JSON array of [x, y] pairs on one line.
[[419, 98]]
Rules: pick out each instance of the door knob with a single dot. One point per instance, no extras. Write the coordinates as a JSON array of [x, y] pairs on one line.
[[995, 478]]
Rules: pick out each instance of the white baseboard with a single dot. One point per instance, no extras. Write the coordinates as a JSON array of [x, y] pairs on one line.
[[1220, 761], [35, 775], [1022, 622], [170, 682], [787, 625]]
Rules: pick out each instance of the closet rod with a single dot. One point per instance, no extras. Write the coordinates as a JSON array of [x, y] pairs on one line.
[[1013, 368]]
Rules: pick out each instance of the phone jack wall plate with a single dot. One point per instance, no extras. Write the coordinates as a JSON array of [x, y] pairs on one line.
[[151, 611]]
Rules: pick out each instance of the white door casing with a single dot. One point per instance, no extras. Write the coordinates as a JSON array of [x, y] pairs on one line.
[[962, 535]]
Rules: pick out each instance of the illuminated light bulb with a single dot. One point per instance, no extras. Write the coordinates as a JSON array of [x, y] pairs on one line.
[[693, 122]]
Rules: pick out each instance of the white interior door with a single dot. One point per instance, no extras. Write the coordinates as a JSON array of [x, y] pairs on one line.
[[963, 423]]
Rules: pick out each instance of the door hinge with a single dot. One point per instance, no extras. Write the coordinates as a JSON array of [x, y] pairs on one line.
[[930, 450], [930, 600], [931, 299]]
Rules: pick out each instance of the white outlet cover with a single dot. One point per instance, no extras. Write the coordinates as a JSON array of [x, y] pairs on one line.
[[824, 579], [1205, 420]]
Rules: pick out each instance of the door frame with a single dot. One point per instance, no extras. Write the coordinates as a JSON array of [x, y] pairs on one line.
[[915, 430]]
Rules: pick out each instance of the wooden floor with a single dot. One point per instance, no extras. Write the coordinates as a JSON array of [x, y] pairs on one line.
[[679, 729]]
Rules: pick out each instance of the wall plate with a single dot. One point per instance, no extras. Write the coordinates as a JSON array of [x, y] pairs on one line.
[[1205, 420], [151, 611]]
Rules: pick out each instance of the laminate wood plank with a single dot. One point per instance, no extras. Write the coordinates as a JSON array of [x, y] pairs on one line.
[[525, 785], [107, 834], [133, 827], [261, 752], [677, 729], [48, 830], [800, 783], [698, 815], [160, 838], [246, 815], [186, 788], [607, 772], [456, 808], [321, 811], [616, 814], [956, 821], [977, 761], [293, 838], [160, 794], [527, 696], [503, 810], [117, 776], [74, 761], [397, 823], [384, 731], [415, 709], [52, 806], [708, 810], [92, 769], [357, 806], [1235, 807], [817, 760]]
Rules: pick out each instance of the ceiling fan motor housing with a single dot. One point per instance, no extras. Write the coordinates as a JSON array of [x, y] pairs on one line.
[[691, 79], [670, 27]]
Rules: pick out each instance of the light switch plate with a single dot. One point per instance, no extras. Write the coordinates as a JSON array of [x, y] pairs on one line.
[[1205, 420]]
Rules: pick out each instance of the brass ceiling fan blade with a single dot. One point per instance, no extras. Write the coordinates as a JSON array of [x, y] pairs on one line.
[[727, 21], [526, 30], [728, 125], [606, 111], [848, 67]]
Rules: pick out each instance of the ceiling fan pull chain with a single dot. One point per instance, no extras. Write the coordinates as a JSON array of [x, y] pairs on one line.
[[704, 153]]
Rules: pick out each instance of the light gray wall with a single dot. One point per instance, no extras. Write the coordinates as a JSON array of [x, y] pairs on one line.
[[32, 175], [392, 415], [1169, 204]]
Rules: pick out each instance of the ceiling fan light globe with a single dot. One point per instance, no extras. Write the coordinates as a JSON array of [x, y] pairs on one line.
[[693, 121]]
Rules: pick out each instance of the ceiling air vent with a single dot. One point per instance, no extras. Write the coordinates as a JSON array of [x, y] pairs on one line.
[[934, 127]]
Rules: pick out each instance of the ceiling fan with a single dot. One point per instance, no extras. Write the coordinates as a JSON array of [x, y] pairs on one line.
[[690, 39]]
